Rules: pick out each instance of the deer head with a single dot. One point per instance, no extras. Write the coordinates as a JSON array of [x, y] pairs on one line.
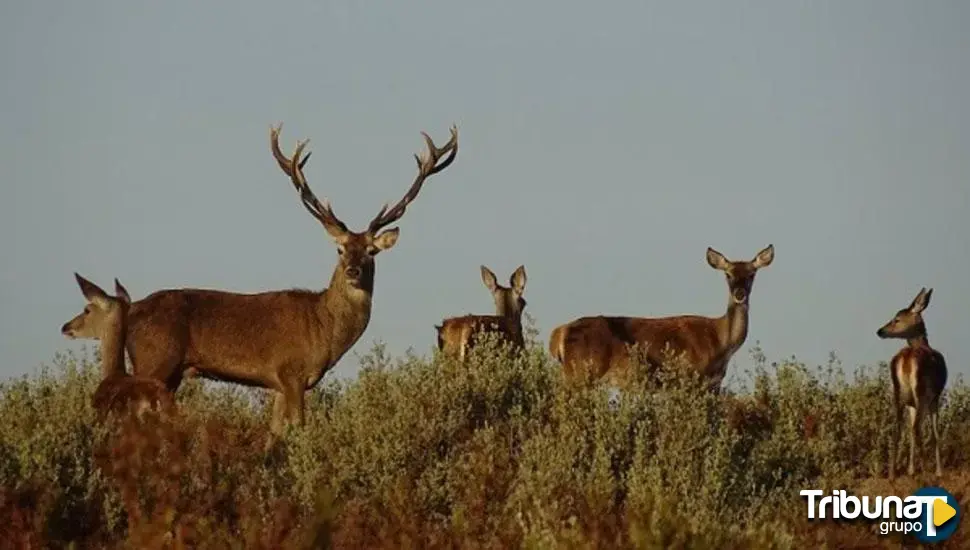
[[908, 322], [356, 250], [102, 314], [740, 275], [508, 299]]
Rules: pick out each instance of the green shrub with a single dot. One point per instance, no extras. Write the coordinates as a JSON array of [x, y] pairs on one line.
[[421, 452]]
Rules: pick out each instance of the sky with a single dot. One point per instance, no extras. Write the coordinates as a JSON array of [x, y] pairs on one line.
[[604, 146]]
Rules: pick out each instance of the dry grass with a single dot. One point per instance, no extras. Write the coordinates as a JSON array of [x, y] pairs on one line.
[[499, 453]]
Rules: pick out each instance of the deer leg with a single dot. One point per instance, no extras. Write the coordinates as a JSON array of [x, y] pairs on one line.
[[295, 407], [935, 422], [896, 453], [912, 418], [276, 424], [292, 386], [173, 380], [279, 410]]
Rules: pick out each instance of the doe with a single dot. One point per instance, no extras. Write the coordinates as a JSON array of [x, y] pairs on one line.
[[918, 374], [105, 318], [456, 335], [598, 347]]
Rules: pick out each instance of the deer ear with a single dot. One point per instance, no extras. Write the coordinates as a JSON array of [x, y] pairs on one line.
[[491, 282], [518, 280], [91, 291], [765, 257], [121, 292], [921, 300], [716, 260], [387, 239]]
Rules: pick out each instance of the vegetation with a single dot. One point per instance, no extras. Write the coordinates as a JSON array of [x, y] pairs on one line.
[[496, 453]]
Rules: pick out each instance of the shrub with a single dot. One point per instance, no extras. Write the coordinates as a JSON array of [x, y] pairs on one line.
[[497, 452]]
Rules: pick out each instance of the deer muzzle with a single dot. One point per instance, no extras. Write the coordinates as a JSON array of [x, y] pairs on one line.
[[740, 295]]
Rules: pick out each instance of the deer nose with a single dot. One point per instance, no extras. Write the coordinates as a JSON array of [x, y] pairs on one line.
[[66, 329], [353, 272]]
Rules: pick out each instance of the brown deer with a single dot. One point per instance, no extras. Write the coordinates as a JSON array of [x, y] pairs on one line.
[[105, 318], [602, 344], [456, 334], [918, 374], [283, 340]]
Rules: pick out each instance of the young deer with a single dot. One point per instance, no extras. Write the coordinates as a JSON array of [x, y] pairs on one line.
[[283, 340], [105, 318], [918, 373], [456, 334], [602, 344]]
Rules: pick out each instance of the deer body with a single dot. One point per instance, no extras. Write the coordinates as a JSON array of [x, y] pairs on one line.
[[284, 340], [251, 339], [105, 317], [918, 374], [599, 347], [707, 344], [456, 335]]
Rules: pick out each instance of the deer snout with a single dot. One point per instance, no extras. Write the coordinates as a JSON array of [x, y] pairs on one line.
[[66, 330], [740, 295], [353, 272], [882, 332]]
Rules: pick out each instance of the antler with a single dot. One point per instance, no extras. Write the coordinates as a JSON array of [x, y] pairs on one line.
[[293, 167], [427, 165]]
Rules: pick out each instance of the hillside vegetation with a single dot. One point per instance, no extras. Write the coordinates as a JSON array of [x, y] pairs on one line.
[[429, 453]]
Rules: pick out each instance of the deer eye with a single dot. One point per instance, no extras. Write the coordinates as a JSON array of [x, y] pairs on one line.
[[340, 250]]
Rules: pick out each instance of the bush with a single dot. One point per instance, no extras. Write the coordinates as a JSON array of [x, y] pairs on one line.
[[431, 453]]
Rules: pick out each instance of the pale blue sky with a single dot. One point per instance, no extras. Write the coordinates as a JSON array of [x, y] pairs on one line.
[[603, 145]]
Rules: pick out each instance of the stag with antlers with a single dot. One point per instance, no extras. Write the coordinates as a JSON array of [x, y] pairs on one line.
[[283, 340]]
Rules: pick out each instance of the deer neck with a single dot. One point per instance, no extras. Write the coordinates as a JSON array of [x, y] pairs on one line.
[[347, 306], [515, 323], [918, 341], [512, 315], [113, 351], [732, 327]]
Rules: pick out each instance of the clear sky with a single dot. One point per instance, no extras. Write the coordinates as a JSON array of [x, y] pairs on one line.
[[603, 145]]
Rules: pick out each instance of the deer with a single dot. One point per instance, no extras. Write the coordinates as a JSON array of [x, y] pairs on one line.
[[105, 318], [282, 340], [598, 348], [918, 374], [456, 334]]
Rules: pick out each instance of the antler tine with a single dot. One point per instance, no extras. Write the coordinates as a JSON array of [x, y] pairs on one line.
[[274, 144], [293, 167], [428, 165]]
